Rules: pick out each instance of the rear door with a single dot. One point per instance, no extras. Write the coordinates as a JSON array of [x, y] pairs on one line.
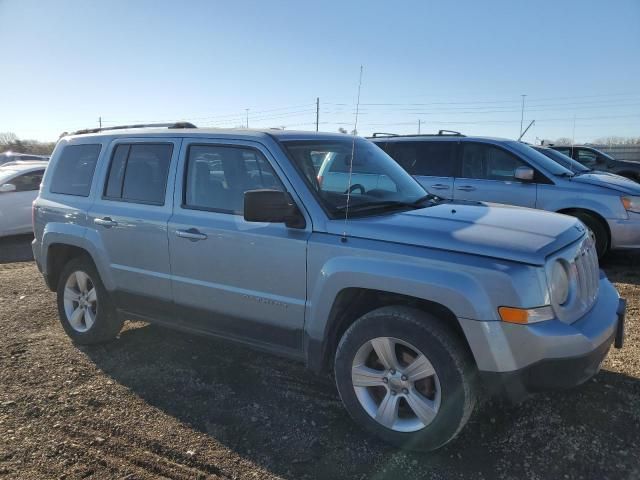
[[432, 163], [487, 175], [130, 216], [232, 277]]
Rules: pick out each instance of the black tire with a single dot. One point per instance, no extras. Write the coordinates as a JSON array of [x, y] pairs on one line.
[[451, 360], [107, 323], [599, 230]]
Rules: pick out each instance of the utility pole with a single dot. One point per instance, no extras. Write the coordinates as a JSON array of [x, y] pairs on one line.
[[100, 121], [522, 115], [317, 112], [247, 110], [418, 126]]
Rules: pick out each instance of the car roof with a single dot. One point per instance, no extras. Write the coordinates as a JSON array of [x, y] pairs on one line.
[[239, 133], [22, 166]]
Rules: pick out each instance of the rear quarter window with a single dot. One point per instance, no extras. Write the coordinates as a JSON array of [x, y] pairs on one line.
[[73, 173]]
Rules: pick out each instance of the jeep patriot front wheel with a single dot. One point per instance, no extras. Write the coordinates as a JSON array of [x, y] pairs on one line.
[[405, 377]]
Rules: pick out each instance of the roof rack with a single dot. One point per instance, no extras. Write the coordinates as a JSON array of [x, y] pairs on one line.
[[139, 125], [383, 134], [441, 133]]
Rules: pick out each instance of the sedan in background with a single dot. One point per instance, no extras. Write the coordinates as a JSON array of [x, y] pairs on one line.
[[19, 185]]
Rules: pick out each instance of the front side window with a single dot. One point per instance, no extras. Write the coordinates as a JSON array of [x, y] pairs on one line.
[[73, 173], [138, 173], [587, 158], [218, 176], [370, 179], [432, 159], [28, 181], [487, 162]]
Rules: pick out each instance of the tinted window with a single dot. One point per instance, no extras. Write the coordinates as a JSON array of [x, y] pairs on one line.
[[587, 157], [116, 172], [217, 177], [488, 162], [434, 159], [74, 171], [28, 181], [138, 172]]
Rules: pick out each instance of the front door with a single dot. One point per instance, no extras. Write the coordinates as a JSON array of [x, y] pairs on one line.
[[15, 207], [232, 277], [487, 175]]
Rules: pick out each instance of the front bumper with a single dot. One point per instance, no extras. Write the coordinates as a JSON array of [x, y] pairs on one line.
[[518, 359], [625, 233]]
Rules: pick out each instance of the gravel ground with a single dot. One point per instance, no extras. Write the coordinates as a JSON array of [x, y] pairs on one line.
[[161, 404]]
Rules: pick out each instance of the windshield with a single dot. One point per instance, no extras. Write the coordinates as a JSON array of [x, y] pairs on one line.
[[542, 160], [377, 181], [563, 160]]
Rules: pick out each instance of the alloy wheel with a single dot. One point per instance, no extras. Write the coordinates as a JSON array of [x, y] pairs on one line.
[[396, 384]]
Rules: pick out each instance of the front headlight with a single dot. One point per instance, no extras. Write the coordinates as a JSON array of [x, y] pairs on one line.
[[631, 204], [559, 283]]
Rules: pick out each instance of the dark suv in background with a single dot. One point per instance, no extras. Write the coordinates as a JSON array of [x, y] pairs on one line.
[[597, 160]]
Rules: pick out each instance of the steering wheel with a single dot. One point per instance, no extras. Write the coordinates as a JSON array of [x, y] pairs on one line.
[[356, 186]]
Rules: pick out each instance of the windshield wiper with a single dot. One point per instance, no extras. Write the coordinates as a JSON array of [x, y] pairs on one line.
[[359, 207], [387, 204]]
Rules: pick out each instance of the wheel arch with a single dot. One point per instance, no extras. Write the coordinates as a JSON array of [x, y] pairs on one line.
[[572, 211], [353, 302]]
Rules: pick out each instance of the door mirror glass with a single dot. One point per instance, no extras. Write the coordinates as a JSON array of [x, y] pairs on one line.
[[7, 187], [524, 174], [272, 206]]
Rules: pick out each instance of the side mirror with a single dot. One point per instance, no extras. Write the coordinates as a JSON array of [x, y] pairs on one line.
[[7, 187], [524, 174], [272, 206]]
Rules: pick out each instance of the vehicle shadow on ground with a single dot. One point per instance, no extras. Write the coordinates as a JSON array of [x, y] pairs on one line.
[[622, 267], [16, 248], [277, 415]]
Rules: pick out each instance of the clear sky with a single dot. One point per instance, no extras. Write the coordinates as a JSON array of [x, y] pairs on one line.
[[459, 65]]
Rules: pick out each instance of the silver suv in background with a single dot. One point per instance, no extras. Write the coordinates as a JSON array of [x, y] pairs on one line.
[[414, 303], [483, 169]]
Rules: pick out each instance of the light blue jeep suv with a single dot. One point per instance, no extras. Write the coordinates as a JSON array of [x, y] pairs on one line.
[[414, 303], [484, 169]]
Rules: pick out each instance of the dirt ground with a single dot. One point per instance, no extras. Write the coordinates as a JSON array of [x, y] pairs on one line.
[[161, 404]]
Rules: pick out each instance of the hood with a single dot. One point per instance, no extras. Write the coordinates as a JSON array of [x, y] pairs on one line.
[[492, 230], [608, 180]]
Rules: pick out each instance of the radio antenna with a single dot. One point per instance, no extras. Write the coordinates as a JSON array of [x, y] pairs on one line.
[[353, 153]]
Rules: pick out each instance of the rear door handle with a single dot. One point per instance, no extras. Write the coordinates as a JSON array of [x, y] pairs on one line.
[[192, 234], [105, 222], [440, 186], [466, 188]]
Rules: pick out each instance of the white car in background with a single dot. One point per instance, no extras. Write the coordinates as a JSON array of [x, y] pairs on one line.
[[19, 185]]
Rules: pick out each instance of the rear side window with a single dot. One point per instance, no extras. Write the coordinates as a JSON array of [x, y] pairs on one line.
[[217, 177], [74, 171], [433, 159], [138, 173]]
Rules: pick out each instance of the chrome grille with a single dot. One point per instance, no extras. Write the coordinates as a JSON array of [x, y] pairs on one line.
[[586, 270]]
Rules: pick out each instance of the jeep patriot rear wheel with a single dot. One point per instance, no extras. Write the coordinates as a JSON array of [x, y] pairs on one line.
[[405, 377], [84, 306]]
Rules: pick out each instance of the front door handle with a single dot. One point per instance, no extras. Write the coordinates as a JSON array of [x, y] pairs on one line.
[[440, 186], [105, 222], [192, 234], [466, 188]]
